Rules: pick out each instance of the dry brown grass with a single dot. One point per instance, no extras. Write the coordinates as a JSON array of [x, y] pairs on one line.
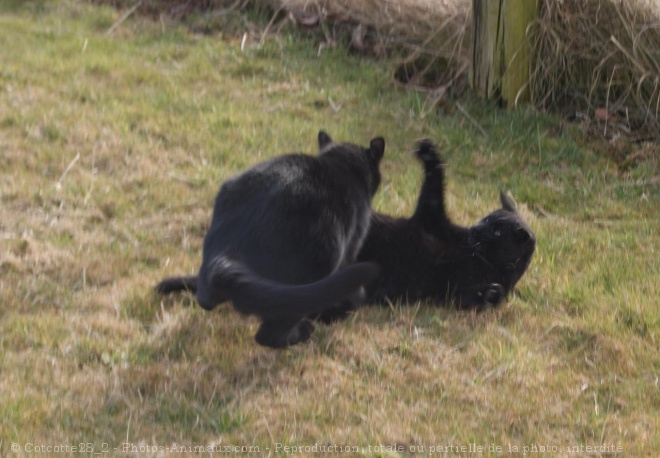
[[600, 54], [435, 27]]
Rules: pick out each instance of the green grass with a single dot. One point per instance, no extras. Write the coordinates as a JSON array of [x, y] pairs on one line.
[[112, 148]]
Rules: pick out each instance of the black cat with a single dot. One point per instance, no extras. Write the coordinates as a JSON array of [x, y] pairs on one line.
[[284, 237], [426, 256]]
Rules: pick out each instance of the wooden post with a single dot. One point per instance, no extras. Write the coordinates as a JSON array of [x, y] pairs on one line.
[[501, 49]]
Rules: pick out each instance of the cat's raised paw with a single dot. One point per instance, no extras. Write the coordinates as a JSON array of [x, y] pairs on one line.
[[427, 153]]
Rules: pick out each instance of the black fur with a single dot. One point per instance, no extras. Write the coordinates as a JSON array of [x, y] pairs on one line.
[[426, 256], [284, 237], [176, 284]]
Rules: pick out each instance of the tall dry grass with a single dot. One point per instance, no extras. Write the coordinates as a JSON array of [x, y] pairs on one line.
[[603, 53], [588, 53]]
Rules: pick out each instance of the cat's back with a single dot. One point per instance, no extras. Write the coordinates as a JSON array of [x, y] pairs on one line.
[[282, 185], [269, 178], [262, 216]]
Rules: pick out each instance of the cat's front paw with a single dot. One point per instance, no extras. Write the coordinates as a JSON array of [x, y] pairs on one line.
[[304, 332], [493, 294], [275, 334], [337, 313]]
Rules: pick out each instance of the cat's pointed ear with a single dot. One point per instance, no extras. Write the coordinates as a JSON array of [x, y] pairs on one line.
[[324, 139], [507, 202], [377, 148]]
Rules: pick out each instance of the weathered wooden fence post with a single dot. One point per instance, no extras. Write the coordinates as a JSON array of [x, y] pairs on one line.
[[501, 49]]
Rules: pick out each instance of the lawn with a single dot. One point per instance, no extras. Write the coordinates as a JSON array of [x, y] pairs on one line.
[[112, 147]]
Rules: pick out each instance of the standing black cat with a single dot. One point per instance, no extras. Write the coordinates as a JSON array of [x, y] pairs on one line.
[[426, 256], [284, 237]]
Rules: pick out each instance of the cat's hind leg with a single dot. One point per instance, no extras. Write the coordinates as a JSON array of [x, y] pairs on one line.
[[209, 296], [342, 310]]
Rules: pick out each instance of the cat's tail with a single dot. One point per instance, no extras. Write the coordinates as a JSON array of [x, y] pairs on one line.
[[177, 284], [255, 295]]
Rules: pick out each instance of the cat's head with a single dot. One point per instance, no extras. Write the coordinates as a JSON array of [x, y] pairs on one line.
[[369, 157], [505, 241]]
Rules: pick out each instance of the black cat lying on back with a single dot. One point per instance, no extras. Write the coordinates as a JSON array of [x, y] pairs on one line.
[[426, 256], [284, 237]]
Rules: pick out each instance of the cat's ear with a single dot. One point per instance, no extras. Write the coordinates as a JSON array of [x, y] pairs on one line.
[[507, 202], [377, 148], [324, 139]]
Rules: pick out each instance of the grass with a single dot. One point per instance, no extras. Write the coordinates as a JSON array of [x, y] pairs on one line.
[[112, 148]]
